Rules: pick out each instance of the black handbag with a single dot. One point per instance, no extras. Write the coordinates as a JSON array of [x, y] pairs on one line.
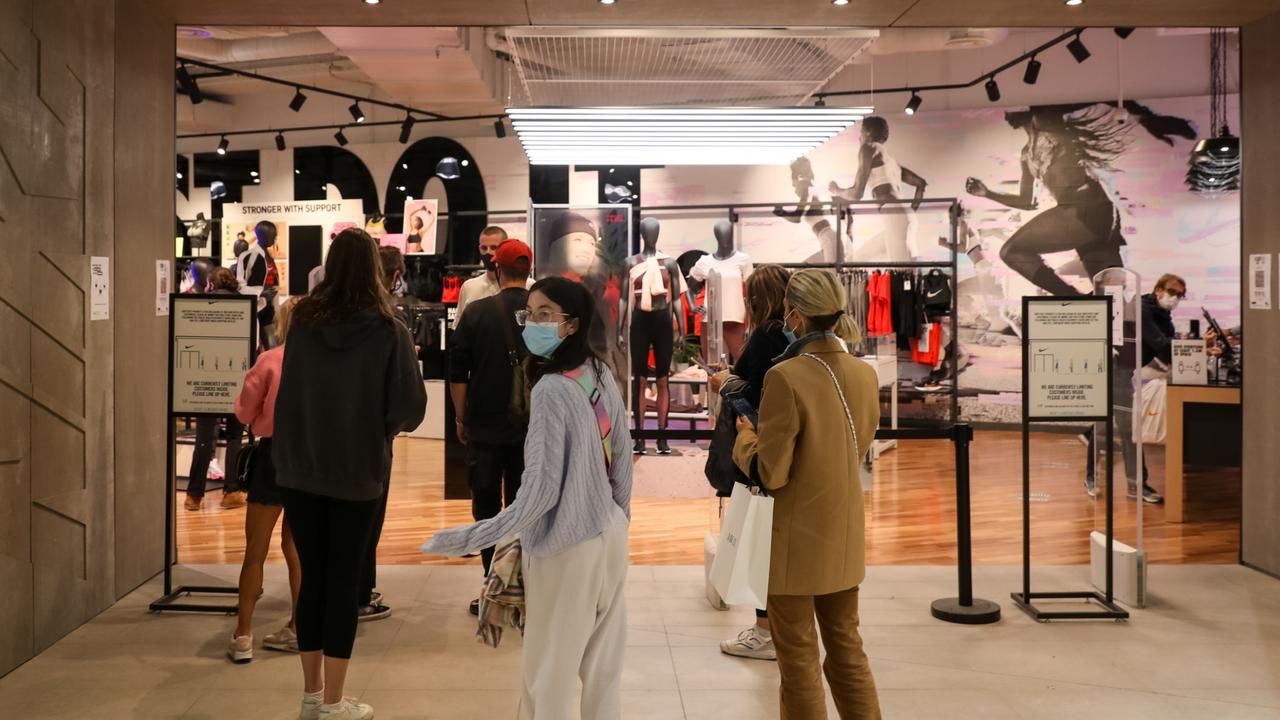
[[936, 287], [244, 461]]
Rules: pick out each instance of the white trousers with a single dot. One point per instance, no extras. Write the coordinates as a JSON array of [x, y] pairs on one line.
[[576, 627]]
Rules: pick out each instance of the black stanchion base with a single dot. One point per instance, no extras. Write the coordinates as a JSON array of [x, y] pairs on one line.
[[980, 612], [1106, 610], [169, 603]]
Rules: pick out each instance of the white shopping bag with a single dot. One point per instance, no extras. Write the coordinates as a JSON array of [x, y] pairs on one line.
[[708, 560], [1153, 411], [740, 572]]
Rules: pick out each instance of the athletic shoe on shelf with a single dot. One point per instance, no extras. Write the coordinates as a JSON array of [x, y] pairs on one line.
[[240, 650], [928, 386], [474, 608], [311, 703], [215, 470], [348, 709], [192, 504], [373, 611], [1149, 495], [663, 447], [284, 640], [639, 447], [232, 500], [752, 643]]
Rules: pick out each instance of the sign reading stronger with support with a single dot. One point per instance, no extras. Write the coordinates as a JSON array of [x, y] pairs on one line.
[[1067, 358], [212, 338]]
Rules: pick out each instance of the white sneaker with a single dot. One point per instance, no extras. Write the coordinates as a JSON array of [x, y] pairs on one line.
[[348, 709], [752, 643], [311, 703], [240, 650], [215, 470], [284, 640]]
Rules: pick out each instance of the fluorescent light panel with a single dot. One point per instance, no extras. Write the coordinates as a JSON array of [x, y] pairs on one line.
[[677, 136]]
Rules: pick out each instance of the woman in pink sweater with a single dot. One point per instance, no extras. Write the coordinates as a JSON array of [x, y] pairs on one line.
[[256, 407]]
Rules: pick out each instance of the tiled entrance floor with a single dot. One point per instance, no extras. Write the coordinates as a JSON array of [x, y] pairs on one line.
[[1207, 647]]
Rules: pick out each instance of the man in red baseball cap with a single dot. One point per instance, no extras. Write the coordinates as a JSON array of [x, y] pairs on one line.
[[486, 357]]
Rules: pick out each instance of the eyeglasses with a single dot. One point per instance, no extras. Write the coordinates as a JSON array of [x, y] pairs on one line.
[[523, 317]]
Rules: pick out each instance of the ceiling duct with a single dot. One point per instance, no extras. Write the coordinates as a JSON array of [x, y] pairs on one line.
[[675, 67]]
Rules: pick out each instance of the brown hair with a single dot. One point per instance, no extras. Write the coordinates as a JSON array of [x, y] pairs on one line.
[[223, 279], [284, 316], [392, 261], [766, 289], [1167, 278], [352, 283]]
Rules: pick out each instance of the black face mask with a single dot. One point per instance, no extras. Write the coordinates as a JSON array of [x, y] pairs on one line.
[[489, 264]]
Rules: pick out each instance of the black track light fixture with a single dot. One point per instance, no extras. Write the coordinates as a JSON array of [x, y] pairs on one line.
[[1033, 72], [280, 141], [1078, 50], [993, 90], [189, 85], [298, 100], [406, 128], [820, 102], [356, 113], [1124, 32], [499, 128], [913, 104], [223, 144], [341, 138]]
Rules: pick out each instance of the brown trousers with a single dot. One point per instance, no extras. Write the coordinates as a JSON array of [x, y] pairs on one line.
[[847, 669]]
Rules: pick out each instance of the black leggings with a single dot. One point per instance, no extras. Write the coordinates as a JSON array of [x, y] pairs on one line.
[[651, 329], [332, 537], [206, 448], [1092, 230], [496, 471]]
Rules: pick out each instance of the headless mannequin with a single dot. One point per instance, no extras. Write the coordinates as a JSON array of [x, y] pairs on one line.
[[734, 333], [652, 328]]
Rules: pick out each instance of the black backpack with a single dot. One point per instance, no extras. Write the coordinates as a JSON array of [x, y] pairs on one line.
[[720, 469]]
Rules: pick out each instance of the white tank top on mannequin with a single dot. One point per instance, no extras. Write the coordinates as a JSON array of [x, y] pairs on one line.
[[888, 173]]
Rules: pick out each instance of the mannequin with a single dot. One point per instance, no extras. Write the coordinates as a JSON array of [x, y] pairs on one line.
[[654, 299], [734, 268]]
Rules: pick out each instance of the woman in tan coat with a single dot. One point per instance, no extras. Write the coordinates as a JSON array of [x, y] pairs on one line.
[[806, 452]]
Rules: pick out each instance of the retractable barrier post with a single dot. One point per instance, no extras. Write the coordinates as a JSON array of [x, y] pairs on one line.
[[964, 609]]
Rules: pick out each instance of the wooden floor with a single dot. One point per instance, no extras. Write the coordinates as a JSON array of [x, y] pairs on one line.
[[910, 513]]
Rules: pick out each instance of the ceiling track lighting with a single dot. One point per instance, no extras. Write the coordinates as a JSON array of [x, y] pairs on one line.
[[1078, 50], [341, 137], [993, 90], [1033, 72], [499, 128], [356, 113], [406, 128], [1124, 32], [280, 141], [223, 144], [298, 100], [913, 104], [820, 102]]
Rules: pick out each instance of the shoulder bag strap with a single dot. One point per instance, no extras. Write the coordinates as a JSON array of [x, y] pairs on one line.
[[513, 351], [848, 416], [587, 381]]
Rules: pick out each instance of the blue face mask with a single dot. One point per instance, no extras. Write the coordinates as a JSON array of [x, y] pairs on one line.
[[786, 331], [542, 339]]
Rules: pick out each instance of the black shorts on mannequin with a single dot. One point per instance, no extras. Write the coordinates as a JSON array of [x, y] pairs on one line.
[[652, 329]]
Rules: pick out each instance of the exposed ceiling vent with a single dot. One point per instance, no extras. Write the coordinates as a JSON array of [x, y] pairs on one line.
[[968, 39], [674, 67]]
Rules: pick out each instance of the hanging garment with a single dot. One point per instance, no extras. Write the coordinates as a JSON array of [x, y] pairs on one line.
[[927, 349]]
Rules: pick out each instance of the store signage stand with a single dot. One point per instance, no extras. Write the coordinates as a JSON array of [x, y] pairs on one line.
[[1066, 376], [218, 336]]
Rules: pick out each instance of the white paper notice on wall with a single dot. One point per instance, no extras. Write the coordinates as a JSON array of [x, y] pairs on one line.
[[1260, 281], [164, 286], [99, 288]]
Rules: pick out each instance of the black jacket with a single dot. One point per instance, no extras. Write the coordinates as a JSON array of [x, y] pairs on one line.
[[761, 353], [1157, 331], [479, 355], [346, 391], [765, 344]]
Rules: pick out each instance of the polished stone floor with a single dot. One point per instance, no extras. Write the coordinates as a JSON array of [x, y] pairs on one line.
[[1208, 646]]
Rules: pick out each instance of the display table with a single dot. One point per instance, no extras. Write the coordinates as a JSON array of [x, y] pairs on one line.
[[1176, 400]]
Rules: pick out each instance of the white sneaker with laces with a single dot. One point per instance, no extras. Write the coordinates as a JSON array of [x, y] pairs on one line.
[[284, 640], [752, 643], [348, 709], [311, 703], [240, 650]]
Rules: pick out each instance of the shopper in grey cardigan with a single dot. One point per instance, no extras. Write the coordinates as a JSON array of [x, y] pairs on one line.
[[348, 384], [572, 514]]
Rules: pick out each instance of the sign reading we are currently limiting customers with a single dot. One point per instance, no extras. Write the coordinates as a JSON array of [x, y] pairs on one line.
[[213, 339], [1067, 357]]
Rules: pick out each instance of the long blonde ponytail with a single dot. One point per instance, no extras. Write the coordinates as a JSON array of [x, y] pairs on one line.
[[820, 298]]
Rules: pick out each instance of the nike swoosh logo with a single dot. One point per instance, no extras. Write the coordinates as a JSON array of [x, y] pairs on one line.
[[936, 293]]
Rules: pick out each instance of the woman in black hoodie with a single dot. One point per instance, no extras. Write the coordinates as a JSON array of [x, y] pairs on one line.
[[350, 382]]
